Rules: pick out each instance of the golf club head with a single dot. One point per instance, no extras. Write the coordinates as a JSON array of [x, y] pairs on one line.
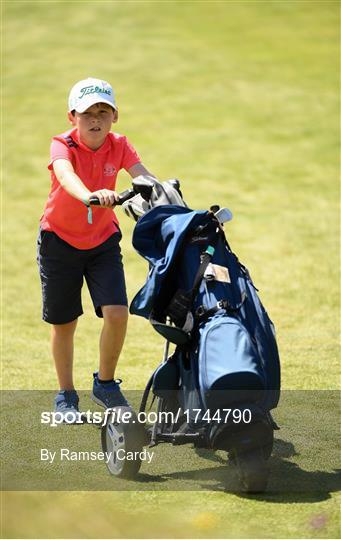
[[169, 193], [223, 215], [175, 183], [144, 186], [135, 207]]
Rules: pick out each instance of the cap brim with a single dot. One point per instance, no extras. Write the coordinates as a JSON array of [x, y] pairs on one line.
[[92, 101]]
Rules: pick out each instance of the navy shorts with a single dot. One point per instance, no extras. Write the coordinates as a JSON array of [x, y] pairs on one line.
[[63, 269]]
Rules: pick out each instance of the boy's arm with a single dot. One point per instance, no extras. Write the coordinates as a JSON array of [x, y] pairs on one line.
[[139, 169], [71, 182]]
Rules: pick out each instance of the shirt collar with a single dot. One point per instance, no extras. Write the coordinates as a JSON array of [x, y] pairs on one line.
[[101, 150]]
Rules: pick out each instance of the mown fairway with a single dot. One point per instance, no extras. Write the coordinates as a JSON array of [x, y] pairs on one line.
[[239, 100]]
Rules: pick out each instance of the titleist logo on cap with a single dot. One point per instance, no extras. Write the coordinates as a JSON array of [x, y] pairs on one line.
[[93, 90]]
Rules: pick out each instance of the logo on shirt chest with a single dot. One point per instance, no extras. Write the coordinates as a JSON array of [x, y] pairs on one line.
[[109, 169]]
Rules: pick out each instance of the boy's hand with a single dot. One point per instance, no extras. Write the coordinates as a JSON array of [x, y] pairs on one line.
[[106, 197]]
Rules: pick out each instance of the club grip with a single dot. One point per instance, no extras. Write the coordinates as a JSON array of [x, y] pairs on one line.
[[122, 197]]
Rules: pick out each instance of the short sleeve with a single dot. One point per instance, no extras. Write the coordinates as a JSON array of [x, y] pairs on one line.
[[58, 150], [130, 156]]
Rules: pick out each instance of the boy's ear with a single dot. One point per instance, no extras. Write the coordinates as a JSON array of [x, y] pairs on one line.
[[71, 118], [115, 117]]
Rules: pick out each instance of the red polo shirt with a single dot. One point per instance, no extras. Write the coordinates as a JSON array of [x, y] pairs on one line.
[[67, 216]]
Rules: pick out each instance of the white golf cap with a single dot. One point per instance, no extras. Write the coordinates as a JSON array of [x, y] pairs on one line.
[[88, 92]]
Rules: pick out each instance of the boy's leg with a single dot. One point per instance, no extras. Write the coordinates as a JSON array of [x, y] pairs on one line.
[[115, 320], [61, 274], [62, 351], [105, 278]]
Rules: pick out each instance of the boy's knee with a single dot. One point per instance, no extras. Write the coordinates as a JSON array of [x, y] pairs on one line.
[[64, 329], [115, 314]]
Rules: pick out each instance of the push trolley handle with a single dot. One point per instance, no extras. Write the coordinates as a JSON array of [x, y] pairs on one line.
[[141, 185], [122, 197]]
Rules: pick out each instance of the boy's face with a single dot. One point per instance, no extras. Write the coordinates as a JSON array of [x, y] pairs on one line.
[[94, 124]]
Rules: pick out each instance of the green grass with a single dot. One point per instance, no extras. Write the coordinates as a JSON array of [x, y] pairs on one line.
[[239, 100]]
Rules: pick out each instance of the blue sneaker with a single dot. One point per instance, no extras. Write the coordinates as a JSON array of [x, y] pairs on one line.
[[66, 403], [108, 395]]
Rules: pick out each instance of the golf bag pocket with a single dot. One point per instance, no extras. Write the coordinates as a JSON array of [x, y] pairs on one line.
[[230, 370]]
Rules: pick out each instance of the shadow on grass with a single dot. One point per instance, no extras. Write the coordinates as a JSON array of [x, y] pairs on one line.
[[145, 478], [288, 482]]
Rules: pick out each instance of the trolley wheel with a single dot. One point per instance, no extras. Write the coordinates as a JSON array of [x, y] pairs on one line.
[[124, 440], [252, 470]]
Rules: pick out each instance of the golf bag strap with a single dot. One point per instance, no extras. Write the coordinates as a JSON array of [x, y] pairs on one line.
[[203, 313], [205, 261]]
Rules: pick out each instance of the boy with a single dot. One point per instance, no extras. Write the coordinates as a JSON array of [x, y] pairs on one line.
[[84, 162]]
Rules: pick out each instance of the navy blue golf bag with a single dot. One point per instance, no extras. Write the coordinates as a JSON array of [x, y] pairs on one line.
[[200, 297]]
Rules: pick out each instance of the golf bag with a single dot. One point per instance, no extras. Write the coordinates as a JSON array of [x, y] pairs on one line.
[[200, 297]]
